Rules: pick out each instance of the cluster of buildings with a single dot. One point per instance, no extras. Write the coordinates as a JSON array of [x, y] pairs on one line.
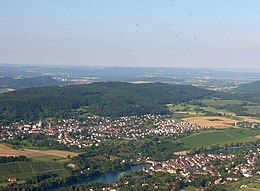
[[250, 125], [93, 130], [233, 167], [186, 165]]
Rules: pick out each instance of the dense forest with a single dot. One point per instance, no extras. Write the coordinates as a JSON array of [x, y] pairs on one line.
[[20, 83], [253, 87], [104, 98], [112, 99]]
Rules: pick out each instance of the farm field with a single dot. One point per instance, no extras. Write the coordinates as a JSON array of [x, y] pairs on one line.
[[221, 102], [25, 170], [202, 110], [8, 151], [177, 116], [215, 107], [249, 119], [219, 111], [47, 158], [253, 109], [220, 137], [212, 121]]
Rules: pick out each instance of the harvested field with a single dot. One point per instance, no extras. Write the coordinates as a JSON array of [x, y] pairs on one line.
[[8, 151], [181, 153], [212, 121], [184, 112]]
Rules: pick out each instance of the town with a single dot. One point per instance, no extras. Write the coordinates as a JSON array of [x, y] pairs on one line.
[[204, 170], [94, 130], [234, 166]]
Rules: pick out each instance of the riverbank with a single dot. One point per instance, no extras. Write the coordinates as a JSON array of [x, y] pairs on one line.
[[111, 177]]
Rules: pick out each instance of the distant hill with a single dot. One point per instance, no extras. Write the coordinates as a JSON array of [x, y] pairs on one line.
[[20, 83], [253, 87], [104, 98]]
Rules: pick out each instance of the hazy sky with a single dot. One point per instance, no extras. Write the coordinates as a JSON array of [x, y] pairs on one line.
[[172, 33]]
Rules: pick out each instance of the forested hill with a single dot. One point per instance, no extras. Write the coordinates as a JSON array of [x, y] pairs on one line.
[[103, 98], [253, 87], [29, 82]]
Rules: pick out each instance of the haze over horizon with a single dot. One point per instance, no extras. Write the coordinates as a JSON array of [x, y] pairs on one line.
[[168, 33]]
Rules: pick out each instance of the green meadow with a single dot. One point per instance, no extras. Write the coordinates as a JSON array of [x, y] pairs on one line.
[[218, 137]]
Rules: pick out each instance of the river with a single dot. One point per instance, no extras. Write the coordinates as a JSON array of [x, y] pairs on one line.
[[107, 178]]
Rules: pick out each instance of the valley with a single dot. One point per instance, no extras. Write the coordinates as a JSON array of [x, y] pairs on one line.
[[92, 131]]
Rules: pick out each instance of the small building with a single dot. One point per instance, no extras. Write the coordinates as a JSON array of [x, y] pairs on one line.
[[13, 179]]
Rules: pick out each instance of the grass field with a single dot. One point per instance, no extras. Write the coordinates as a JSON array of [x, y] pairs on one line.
[[8, 151], [248, 189], [42, 162], [214, 110], [3, 90], [221, 102], [178, 116], [47, 158], [210, 106], [220, 137], [249, 184], [253, 109], [213, 105], [249, 119], [25, 170]]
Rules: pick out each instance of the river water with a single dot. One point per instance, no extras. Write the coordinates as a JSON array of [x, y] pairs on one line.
[[107, 178]]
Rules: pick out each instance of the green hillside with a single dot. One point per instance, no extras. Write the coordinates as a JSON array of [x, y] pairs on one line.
[[253, 87], [104, 99], [20, 83]]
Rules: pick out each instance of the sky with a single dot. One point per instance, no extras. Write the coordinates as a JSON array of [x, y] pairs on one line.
[[147, 33]]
